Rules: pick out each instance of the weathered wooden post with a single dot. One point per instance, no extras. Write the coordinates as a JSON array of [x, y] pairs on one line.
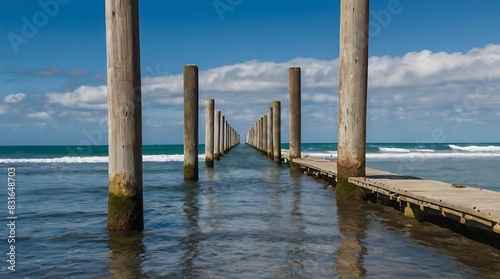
[[270, 132], [264, 134], [277, 131], [125, 200], [250, 137], [263, 138], [352, 95], [229, 137], [190, 123], [261, 121], [253, 136], [256, 135], [217, 135], [222, 136], [209, 133], [295, 115], [226, 132]]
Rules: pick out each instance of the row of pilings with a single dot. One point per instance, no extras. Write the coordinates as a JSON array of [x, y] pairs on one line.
[[220, 136], [125, 201], [125, 184], [265, 134]]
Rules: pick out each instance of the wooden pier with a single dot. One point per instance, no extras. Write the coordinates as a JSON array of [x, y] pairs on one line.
[[417, 197]]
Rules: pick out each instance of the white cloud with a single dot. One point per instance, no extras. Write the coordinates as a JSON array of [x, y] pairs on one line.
[[39, 115], [84, 97], [418, 87], [3, 110], [14, 98], [427, 68]]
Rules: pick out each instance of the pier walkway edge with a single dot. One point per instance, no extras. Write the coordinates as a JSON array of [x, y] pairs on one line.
[[417, 197]]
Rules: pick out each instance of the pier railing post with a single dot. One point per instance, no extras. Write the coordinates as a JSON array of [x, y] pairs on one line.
[[209, 133], [217, 135], [125, 199], [352, 95], [295, 115], [277, 131], [190, 123]]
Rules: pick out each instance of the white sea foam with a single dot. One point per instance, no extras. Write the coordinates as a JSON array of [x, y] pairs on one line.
[[393, 149], [92, 159], [475, 148], [408, 155], [423, 150]]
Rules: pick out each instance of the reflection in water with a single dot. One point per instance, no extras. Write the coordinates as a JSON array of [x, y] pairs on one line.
[[352, 226], [470, 258], [126, 255], [296, 253], [190, 241]]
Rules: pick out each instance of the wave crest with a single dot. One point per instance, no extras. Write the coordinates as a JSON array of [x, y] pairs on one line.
[[475, 148], [92, 159]]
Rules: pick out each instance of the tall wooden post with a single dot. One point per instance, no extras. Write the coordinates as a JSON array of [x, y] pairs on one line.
[[264, 134], [270, 132], [295, 115], [229, 137], [190, 123], [209, 133], [263, 138], [352, 95], [277, 131], [125, 201], [217, 135], [222, 136], [226, 132], [259, 126]]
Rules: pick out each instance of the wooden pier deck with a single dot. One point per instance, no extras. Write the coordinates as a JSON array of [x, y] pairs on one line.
[[419, 197]]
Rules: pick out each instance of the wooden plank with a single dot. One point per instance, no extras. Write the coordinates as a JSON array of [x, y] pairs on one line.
[[468, 203]]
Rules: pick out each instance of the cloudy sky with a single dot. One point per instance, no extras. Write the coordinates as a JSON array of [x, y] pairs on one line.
[[434, 68]]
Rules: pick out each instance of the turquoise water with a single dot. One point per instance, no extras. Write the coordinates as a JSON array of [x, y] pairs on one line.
[[246, 218]]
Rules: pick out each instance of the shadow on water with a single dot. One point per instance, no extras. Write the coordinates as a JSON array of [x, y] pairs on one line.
[[126, 255], [352, 227]]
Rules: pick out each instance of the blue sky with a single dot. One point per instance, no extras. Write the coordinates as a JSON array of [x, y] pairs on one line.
[[434, 67]]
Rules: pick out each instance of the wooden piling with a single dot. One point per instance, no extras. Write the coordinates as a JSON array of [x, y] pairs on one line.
[[217, 122], [209, 133], [190, 123], [125, 199], [264, 134], [259, 125], [295, 115], [277, 131], [352, 95], [222, 136], [270, 132], [225, 137]]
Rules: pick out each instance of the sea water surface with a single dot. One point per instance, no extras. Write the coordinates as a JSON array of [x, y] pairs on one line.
[[246, 218]]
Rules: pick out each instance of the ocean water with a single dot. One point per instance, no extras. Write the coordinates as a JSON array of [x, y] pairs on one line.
[[246, 218]]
